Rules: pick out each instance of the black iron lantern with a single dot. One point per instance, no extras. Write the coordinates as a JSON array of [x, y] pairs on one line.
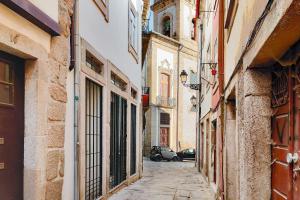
[[183, 77]]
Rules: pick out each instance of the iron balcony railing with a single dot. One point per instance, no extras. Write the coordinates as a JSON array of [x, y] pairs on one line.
[[146, 26], [146, 90], [165, 101]]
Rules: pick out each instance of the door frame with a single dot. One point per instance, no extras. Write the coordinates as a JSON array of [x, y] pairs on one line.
[[168, 128]]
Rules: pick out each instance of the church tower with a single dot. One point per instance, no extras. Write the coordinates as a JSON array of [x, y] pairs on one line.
[[175, 19], [171, 48]]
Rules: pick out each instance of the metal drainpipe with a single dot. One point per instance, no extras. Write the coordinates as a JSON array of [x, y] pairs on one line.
[[177, 110], [200, 92], [76, 60]]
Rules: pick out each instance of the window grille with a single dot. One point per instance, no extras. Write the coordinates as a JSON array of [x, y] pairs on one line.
[[118, 139], [117, 81], [93, 140], [164, 119], [93, 63], [133, 140]]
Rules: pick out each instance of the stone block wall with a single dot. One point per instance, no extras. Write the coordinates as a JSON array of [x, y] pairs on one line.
[[45, 104], [57, 97], [254, 129]]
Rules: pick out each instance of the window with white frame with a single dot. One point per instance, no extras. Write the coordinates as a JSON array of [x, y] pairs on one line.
[[215, 57], [133, 31]]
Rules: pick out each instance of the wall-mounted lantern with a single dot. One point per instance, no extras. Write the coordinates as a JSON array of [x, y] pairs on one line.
[[193, 100], [183, 79]]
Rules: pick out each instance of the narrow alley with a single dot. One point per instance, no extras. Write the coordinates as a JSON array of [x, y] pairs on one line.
[[167, 181]]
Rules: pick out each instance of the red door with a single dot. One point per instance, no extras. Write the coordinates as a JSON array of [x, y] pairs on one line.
[[295, 150], [164, 136], [286, 135], [11, 127]]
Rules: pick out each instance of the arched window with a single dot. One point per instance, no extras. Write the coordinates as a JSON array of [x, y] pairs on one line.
[[166, 26]]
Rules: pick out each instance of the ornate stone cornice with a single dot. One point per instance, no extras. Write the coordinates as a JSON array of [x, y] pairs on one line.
[[159, 4]]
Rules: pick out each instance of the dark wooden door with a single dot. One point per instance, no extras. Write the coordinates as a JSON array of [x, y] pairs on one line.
[[164, 136], [296, 134], [281, 101], [286, 134], [11, 127]]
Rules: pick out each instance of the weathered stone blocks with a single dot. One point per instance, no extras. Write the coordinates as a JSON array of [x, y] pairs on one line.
[[254, 135], [56, 136], [58, 93], [53, 190], [52, 164], [55, 111]]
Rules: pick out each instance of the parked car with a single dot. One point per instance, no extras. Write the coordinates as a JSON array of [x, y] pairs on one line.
[[186, 154], [159, 153]]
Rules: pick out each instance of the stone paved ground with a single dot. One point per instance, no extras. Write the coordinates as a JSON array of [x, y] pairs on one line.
[[167, 181]]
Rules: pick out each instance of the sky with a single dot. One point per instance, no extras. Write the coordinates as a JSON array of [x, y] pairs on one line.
[[151, 17]]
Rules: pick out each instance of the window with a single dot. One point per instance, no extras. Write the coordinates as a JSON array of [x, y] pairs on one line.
[[6, 84], [133, 93], [207, 74], [117, 81], [133, 31], [231, 8], [165, 85], [166, 26], [164, 119], [93, 63], [103, 6], [93, 140], [215, 58]]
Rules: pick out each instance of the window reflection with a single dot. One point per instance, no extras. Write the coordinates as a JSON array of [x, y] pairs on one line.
[[6, 84]]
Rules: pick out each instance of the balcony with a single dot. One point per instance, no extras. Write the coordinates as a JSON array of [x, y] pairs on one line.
[[165, 102], [145, 97]]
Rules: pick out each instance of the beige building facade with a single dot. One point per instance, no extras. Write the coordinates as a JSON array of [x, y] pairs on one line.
[[70, 108], [261, 124], [172, 47], [34, 62], [267, 32]]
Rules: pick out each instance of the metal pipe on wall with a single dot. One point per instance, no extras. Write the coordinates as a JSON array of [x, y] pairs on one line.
[[74, 65], [177, 107], [200, 92]]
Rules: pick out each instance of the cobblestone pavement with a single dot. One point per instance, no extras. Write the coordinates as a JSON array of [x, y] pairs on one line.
[[167, 181]]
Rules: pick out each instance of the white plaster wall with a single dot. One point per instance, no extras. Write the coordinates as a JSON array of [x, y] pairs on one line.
[[207, 101], [154, 126], [187, 21], [236, 39], [48, 7], [231, 47], [69, 180], [188, 117], [110, 38], [207, 26]]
